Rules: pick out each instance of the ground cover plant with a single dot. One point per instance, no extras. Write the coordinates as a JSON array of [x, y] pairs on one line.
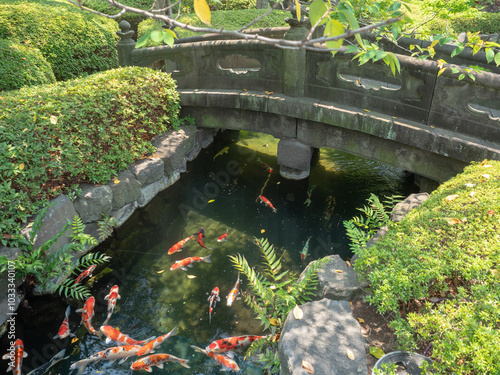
[[437, 273], [54, 137]]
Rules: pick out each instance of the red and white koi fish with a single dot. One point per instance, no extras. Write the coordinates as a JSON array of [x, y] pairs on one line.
[[112, 334], [15, 356], [228, 363], [150, 345], [87, 313], [231, 343], [199, 236], [179, 245], [111, 354], [157, 360], [188, 262], [88, 272], [268, 168], [112, 297], [223, 238], [234, 292], [304, 253], [64, 328], [267, 203], [214, 298]]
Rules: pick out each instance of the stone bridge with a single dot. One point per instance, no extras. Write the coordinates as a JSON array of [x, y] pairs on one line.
[[418, 121]]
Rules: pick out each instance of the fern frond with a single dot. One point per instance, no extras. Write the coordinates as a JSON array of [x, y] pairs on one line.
[[272, 263], [304, 286], [255, 279]]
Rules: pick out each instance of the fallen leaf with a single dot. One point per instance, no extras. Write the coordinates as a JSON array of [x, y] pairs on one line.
[[472, 193], [361, 320], [366, 110], [53, 120], [487, 166], [451, 197], [495, 273], [273, 322], [376, 352], [452, 220], [339, 271], [21, 166], [116, 181], [211, 201], [491, 212], [161, 271], [262, 230], [485, 176], [470, 185], [350, 355], [298, 313], [308, 367], [191, 276], [75, 339]]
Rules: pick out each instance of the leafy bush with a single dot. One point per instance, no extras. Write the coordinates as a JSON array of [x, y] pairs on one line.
[[437, 273], [54, 136], [22, 66], [188, 7], [482, 22], [75, 43]]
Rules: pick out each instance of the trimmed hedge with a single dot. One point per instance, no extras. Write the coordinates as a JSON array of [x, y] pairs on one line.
[[54, 137], [482, 22], [438, 273], [22, 66], [75, 43]]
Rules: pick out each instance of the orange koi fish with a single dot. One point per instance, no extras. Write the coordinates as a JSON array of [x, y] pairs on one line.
[[223, 238], [157, 360], [87, 313], [234, 292], [112, 297], [199, 236], [267, 203], [179, 245], [112, 334], [64, 328], [231, 343], [150, 345], [188, 262], [228, 363], [268, 168], [214, 298], [15, 356], [111, 354], [84, 274]]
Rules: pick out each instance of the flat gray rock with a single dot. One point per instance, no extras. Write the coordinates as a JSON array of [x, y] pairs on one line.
[[148, 170], [172, 147], [93, 202], [128, 189], [324, 337], [401, 209]]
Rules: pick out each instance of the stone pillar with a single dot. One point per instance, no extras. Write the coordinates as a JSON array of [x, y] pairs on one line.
[[294, 159], [295, 60], [126, 43]]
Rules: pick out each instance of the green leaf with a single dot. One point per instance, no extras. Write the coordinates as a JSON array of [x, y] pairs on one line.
[[317, 9], [351, 19], [157, 36], [461, 76], [441, 71], [168, 39], [471, 76], [497, 58], [457, 50], [143, 40], [334, 28]]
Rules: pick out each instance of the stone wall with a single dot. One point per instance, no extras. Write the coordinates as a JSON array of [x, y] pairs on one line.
[[137, 185]]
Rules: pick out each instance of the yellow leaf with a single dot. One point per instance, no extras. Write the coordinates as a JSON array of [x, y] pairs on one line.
[[116, 181], [308, 367], [297, 7], [376, 352], [273, 322], [53, 120], [160, 271], [211, 201], [361, 320], [75, 339], [348, 263], [298, 313], [21, 166], [452, 220], [202, 10], [495, 273], [191, 276], [487, 166], [334, 28], [339, 271], [366, 110], [350, 355], [451, 197], [262, 230]]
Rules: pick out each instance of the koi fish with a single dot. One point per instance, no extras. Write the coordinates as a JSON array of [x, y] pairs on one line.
[[199, 236], [308, 201], [44, 369], [112, 334], [223, 151], [64, 328], [268, 168], [16, 357], [150, 345], [112, 297], [188, 262], [110, 354], [214, 298], [234, 292], [179, 245], [228, 363], [223, 238], [87, 313], [231, 343], [88, 272], [267, 203], [157, 360], [304, 253]]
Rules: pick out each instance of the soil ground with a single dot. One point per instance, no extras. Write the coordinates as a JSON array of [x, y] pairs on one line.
[[374, 328]]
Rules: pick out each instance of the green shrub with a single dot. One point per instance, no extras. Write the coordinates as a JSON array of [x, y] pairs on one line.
[[75, 43], [87, 130], [482, 22], [437, 273], [22, 66]]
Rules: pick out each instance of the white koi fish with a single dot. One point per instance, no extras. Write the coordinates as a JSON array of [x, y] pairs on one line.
[[112, 297]]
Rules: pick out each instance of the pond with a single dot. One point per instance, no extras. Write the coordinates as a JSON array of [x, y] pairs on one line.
[[219, 193]]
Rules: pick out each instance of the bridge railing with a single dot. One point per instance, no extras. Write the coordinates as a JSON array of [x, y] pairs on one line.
[[470, 107]]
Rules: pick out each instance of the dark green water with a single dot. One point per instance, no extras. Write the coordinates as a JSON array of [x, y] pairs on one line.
[[217, 194]]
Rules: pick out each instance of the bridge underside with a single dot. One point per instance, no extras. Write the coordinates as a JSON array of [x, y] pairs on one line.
[[432, 153]]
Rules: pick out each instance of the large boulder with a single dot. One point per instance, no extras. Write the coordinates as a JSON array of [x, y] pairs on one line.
[[94, 202]]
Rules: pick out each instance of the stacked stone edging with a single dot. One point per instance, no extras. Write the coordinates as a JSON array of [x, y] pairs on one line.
[[133, 187]]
